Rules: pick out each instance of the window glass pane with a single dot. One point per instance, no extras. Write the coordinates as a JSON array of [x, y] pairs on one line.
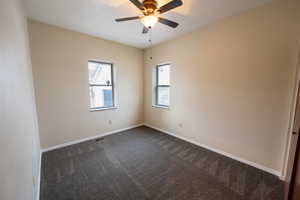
[[164, 75], [101, 96], [100, 73], [163, 96]]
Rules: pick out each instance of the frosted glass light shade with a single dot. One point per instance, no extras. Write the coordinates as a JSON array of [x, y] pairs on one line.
[[149, 21]]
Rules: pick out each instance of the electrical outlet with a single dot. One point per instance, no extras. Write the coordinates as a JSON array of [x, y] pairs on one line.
[[180, 125], [109, 122]]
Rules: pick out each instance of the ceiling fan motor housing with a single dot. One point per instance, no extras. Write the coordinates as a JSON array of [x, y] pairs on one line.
[[150, 5]]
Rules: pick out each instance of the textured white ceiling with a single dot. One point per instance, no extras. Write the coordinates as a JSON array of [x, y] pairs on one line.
[[96, 17]]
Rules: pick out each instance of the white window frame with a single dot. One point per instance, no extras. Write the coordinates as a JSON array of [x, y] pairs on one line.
[[92, 109], [156, 86]]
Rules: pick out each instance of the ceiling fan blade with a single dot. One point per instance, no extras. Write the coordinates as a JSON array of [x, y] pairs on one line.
[[138, 4], [145, 30], [169, 6], [127, 19], [168, 22]]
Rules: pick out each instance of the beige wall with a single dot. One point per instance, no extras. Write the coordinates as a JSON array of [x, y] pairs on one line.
[[59, 59], [232, 83], [19, 142]]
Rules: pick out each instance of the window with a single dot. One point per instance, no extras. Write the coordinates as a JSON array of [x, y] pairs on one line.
[[101, 85], [162, 87]]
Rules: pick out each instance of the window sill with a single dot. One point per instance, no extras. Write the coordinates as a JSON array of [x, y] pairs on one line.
[[101, 109], [162, 107]]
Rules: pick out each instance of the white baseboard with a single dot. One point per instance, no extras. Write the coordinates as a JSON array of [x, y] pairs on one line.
[[253, 164], [89, 138]]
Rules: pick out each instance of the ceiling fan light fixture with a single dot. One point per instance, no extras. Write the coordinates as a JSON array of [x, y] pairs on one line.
[[151, 13], [149, 21]]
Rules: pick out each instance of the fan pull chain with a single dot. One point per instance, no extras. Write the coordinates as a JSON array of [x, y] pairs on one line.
[[151, 45]]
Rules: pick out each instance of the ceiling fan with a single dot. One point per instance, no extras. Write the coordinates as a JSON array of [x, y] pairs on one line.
[[151, 11]]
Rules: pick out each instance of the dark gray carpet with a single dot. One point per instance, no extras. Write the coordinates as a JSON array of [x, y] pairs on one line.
[[142, 164]]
